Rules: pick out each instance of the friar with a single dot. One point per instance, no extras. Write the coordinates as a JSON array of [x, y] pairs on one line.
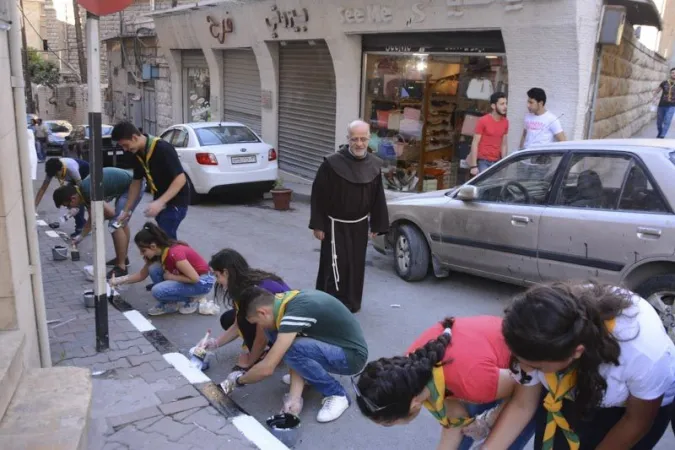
[[348, 205]]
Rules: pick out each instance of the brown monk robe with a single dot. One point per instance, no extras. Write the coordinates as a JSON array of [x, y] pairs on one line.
[[346, 193]]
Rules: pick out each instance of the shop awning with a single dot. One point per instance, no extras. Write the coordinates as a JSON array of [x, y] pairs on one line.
[[640, 12]]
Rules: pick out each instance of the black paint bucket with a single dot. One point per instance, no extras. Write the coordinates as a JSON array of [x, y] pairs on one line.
[[285, 427]]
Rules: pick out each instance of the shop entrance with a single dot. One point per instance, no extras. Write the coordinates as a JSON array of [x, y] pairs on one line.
[[306, 106], [241, 88], [196, 87]]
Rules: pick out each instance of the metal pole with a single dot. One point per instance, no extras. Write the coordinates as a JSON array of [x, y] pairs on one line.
[[596, 86], [96, 163]]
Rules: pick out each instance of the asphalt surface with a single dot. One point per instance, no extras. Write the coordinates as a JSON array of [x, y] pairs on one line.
[[394, 312]]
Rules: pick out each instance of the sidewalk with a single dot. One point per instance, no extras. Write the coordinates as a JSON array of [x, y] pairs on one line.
[[649, 132], [145, 395]]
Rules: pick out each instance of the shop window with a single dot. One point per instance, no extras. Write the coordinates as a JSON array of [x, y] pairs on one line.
[[416, 105], [198, 94]]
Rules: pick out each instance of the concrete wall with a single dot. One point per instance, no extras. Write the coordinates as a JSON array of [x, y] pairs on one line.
[[34, 11], [66, 102], [630, 73], [16, 295]]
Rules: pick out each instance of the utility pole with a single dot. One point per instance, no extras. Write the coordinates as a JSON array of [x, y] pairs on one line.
[[81, 59], [30, 105]]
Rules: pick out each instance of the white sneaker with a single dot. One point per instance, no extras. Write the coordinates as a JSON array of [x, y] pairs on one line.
[[287, 379], [332, 408], [190, 308]]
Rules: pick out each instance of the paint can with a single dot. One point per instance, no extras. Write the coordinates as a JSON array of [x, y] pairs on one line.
[[59, 253], [285, 427], [74, 254], [89, 299]]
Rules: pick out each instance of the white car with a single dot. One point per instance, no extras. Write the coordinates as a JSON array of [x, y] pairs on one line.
[[221, 156]]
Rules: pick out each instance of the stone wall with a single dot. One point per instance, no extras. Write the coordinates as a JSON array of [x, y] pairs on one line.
[[65, 102], [630, 74]]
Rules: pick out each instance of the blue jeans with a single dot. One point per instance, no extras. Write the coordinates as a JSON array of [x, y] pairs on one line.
[[175, 291], [170, 218], [314, 360], [664, 117], [484, 164], [122, 201], [520, 442], [40, 149]]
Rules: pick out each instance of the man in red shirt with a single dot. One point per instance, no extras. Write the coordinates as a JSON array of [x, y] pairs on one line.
[[489, 140]]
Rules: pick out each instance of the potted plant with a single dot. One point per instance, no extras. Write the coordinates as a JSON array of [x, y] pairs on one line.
[[281, 195]]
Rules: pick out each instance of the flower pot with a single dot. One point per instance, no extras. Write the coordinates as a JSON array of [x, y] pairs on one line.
[[281, 199]]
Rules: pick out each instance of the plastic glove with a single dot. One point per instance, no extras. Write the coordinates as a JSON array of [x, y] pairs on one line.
[[292, 405], [231, 381], [210, 344], [77, 239], [116, 281]]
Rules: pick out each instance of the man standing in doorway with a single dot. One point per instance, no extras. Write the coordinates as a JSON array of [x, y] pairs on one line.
[[666, 109], [489, 141], [157, 161], [347, 191], [541, 125]]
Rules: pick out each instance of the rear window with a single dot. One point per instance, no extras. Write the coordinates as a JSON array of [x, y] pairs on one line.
[[225, 135], [58, 127]]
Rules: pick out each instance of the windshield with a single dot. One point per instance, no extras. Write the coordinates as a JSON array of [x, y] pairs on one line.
[[56, 127], [225, 135], [106, 130]]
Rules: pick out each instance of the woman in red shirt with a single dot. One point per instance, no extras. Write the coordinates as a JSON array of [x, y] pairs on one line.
[[180, 275], [457, 369]]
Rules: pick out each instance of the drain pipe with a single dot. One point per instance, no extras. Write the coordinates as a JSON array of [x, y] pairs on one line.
[[17, 81]]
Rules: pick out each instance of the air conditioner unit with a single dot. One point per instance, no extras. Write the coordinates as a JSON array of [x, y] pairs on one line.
[[612, 22]]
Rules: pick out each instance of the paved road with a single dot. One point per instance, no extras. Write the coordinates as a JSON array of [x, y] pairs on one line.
[[281, 242]]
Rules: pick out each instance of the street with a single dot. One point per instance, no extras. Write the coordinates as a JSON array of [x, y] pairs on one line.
[[394, 312]]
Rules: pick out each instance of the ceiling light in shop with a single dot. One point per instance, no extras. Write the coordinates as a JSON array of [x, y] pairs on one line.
[[421, 66], [491, 57]]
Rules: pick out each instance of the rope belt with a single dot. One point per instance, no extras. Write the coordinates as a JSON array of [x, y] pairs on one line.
[[333, 248]]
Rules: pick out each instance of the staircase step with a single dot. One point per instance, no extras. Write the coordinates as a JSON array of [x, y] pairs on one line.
[[11, 365], [50, 409]]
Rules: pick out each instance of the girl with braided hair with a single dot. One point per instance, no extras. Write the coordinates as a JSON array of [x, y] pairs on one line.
[[458, 369], [604, 360]]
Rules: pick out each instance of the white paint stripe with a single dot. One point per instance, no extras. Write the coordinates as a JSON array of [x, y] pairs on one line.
[[306, 319], [182, 364], [141, 323], [292, 324], [52, 233], [258, 434], [41, 222]]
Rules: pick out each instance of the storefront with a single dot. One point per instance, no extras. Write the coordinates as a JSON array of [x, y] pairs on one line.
[[241, 88], [196, 87]]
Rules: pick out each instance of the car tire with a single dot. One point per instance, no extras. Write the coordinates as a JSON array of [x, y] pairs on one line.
[[659, 291], [193, 197], [411, 253]]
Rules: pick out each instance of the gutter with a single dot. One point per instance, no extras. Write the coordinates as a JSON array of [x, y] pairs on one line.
[[17, 80]]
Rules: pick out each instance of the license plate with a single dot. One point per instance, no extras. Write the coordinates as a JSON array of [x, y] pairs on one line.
[[243, 159]]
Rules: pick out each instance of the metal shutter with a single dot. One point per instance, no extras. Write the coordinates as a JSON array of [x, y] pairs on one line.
[[306, 106], [194, 58], [241, 89]]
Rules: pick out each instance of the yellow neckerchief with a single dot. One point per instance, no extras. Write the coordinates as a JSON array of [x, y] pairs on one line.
[[436, 402], [79, 193], [669, 94], [560, 385], [149, 151], [280, 302], [62, 177], [165, 253]]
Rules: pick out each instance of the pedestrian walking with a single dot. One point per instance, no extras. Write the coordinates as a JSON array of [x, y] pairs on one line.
[[180, 275], [65, 170], [604, 361], [489, 143], [157, 161], [116, 185], [41, 133], [666, 108], [315, 335], [541, 125], [458, 369], [233, 276], [347, 198]]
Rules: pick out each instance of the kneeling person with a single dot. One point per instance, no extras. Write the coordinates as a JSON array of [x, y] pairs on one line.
[[315, 335]]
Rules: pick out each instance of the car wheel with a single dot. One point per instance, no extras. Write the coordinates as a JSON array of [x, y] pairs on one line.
[[193, 196], [411, 253], [660, 293]]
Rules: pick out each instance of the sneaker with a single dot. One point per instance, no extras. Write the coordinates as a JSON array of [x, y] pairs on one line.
[[287, 379], [160, 310], [332, 408], [117, 271], [113, 262], [188, 308]]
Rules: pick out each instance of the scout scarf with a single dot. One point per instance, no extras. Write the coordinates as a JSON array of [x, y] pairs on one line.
[[280, 302], [165, 254], [79, 193], [436, 403], [560, 385], [145, 162], [62, 176], [669, 92]]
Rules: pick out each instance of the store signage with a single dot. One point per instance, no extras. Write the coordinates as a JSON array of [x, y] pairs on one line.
[[370, 14], [292, 19], [418, 14], [219, 28], [457, 8]]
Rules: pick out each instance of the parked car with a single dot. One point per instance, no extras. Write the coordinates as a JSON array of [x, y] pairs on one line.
[[56, 137], [113, 155], [220, 157], [599, 209]]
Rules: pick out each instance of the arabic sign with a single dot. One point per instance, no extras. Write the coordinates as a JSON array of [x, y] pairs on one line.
[[220, 28], [293, 19]]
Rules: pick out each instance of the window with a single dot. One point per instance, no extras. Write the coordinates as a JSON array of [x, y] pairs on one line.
[[198, 85], [225, 135], [638, 194], [181, 138], [594, 181], [168, 135], [526, 179]]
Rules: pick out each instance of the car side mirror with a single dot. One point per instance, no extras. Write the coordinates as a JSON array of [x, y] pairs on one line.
[[467, 193]]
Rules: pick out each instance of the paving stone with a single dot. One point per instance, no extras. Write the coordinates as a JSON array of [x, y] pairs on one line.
[[123, 345], [141, 414], [154, 375], [145, 423], [183, 414], [204, 419], [182, 405], [160, 364], [178, 394], [136, 371], [114, 355], [140, 359], [118, 364], [91, 360], [171, 429]]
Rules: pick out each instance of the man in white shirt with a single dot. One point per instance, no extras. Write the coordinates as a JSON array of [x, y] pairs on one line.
[[541, 126]]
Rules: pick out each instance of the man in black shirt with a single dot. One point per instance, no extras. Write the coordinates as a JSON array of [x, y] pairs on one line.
[[666, 109], [157, 161]]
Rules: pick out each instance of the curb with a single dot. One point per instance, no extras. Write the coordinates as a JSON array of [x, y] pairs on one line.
[[247, 425]]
